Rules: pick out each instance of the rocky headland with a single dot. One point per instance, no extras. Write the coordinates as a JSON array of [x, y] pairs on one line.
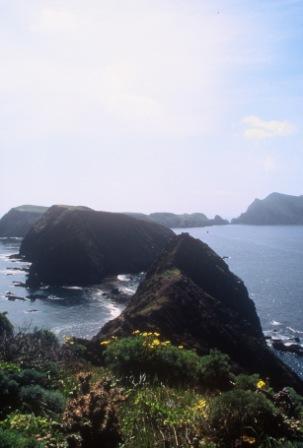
[[17, 221], [80, 246], [275, 209]]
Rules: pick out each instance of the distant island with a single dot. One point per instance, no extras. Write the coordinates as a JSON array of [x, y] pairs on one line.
[[18, 221], [182, 221], [275, 209]]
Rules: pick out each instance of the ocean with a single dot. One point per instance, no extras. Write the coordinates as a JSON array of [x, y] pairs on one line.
[[269, 259]]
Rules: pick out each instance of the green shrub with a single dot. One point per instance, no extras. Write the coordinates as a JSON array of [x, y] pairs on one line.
[[134, 356], [163, 417], [11, 439], [40, 400], [9, 367], [34, 349], [30, 376], [240, 413], [28, 424], [270, 442], [9, 393], [246, 382], [23, 389], [215, 370]]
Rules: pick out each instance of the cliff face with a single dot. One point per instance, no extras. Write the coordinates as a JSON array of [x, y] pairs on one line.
[[77, 245], [275, 209], [190, 296], [18, 221], [184, 220]]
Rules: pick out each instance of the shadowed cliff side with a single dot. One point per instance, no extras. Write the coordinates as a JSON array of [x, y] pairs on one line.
[[77, 245], [18, 221], [192, 298]]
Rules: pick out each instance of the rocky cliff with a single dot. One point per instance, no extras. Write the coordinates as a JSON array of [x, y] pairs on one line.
[[190, 296], [275, 209], [18, 221], [77, 245]]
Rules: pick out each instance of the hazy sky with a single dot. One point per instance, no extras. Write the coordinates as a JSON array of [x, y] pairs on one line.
[[150, 105]]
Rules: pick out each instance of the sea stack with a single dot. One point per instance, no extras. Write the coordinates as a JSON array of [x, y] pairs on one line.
[[80, 246], [190, 296]]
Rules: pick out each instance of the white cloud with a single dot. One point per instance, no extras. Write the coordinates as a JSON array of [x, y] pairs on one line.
[[258, 129], [153, 68], [55, 20]]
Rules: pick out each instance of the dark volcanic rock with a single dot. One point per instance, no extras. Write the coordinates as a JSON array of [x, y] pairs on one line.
[[190, 296], [275, 209], [18, 221], [77, 245]]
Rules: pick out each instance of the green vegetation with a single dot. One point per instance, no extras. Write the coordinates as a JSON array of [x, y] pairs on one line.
[[145, 392]]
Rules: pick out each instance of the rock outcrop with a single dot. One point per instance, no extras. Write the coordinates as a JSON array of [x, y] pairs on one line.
[[190, 297], [185, 220], [18, 221], [275, 209], [77, 245]]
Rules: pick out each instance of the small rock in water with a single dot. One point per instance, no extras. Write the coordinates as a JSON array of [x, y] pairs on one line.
[[19, 284], [278, 344], [11, 296]]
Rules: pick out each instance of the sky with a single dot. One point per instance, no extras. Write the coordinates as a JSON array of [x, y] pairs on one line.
[[150, 105]]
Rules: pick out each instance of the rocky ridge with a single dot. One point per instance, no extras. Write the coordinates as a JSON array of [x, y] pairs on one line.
[[190, 297]]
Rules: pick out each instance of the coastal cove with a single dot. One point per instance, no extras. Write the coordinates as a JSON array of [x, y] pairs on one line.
[[268, 259]]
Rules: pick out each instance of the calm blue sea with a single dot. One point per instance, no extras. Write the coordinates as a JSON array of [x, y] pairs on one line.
[[269, 259]]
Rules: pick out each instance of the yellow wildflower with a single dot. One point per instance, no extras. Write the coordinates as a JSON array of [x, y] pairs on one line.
[[67, 338], [136, 332], [149, 333], [104, 343], [145, 334], [261, 384], [180, 347], [155, 342], [156, 334], [248, 439], [201, 404]]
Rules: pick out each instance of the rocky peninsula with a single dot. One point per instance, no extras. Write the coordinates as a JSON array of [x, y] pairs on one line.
[[190, 296]]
